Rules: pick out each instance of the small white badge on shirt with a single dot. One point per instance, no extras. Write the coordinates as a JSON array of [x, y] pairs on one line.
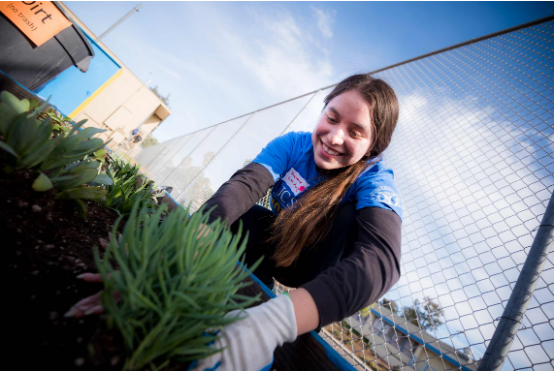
[[295, 181]]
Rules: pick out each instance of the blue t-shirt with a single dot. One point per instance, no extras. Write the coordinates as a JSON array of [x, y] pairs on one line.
[[290, 160]]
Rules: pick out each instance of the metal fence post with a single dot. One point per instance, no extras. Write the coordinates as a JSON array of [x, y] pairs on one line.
[[509, 324]]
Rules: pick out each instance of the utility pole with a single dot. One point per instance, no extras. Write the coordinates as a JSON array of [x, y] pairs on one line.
[[136, 9]]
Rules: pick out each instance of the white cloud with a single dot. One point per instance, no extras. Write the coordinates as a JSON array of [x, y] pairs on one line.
[[285, 30], [232, 65], [285, 55], [325, 21]]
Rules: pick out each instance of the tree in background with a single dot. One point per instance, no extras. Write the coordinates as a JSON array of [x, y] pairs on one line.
[[149, 141], [425, 314], [390, 305], [166, 100]]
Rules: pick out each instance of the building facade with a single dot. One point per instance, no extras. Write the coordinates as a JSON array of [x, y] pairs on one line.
[[123, 105]]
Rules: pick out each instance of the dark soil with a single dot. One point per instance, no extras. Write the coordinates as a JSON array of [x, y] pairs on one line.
[[44, 245]]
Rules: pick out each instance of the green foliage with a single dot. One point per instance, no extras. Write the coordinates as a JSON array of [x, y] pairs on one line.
[[129, 186], [173, 286], [62, 162], [166, 99], [42, 183], [390, 305], [61, 124], [425, 314], [149, 141], [100, 156], [25, 139], [366, 341], [89, 193], [348, 326]]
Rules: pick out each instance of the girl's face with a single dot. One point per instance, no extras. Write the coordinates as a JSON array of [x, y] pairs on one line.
[[343, 133]]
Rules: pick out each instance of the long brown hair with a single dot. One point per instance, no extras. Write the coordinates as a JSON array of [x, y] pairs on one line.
[[307, 221]]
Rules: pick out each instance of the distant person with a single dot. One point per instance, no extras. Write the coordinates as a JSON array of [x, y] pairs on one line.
[[334, 230]]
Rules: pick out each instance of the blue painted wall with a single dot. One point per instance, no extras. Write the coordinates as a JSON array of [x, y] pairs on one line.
[[72, 87]]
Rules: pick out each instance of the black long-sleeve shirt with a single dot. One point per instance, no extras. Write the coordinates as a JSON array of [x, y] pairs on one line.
[[365, 274]]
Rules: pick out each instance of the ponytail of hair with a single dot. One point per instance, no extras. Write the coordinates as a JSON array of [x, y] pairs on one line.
[[308, 221]]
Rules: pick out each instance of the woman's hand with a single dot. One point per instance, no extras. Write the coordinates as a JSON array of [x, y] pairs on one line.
[[203, 230], [250, 342], [91, 304]]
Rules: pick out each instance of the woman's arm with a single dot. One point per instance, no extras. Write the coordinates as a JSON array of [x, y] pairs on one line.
[[250, 183], [306, 311], [366, 274], [240, 193]]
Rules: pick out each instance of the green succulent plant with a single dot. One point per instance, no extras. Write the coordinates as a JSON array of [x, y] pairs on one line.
[[129, 186], [62, 162], [172, 285], [61, 124]]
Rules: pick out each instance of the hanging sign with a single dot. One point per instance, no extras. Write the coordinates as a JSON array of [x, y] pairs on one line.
[[38, 20]]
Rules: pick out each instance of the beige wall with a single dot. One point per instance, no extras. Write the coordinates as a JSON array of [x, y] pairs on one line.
[[122, 106], [126, 104]]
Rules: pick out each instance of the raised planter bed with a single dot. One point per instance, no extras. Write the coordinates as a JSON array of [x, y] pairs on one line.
[[45, 245]]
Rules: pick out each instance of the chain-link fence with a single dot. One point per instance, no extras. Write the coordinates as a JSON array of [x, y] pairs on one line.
[[473, 162]]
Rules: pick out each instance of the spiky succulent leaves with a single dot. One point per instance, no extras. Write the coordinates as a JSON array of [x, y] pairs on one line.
[[85, 172], [124, 192], [4, 146], [19, 106], [101, 179], [7, 116], [74, 147], [29, 140], [100, 154], [42, 183], [85, 192], [113, 189], [40, 148], [55, 118], [21, 134], [173, 286], [11, 108], [34, 104], [81, 208]]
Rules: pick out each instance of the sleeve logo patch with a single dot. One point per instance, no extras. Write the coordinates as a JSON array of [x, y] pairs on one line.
[[295, 181], [386, 195]]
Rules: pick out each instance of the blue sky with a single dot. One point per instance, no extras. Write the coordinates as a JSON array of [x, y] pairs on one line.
[[221, 60]]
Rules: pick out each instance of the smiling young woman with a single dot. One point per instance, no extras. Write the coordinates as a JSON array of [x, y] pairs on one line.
[[343, 134], [334, 230]]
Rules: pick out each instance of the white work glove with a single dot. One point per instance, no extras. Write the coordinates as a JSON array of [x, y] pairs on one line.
[[250, 343]]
